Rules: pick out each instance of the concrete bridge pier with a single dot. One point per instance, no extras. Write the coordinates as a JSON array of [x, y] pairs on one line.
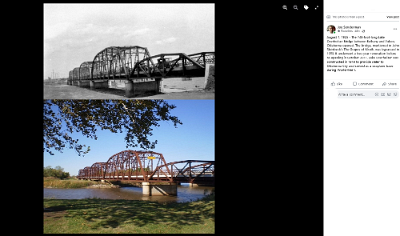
[[94, 84], [153, 189], [132, 89], [130, 92], [158, 85], [209, 78], [83, 83]]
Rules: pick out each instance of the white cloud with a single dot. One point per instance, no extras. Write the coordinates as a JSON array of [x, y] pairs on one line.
[[140, 31], [168, 40], [126, 33], [51, 31]]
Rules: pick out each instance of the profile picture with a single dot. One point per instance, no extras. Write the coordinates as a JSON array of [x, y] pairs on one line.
[[331, 29]]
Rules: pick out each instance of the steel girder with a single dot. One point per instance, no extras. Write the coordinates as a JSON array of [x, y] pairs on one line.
[[70, 75], [81, 174], [126, 165], [117, 62], [85, 70], [173, 65], [75, 73], [86, 172], [130, 62], [148, 166], [98, 170], [189, 173], [203, 58]]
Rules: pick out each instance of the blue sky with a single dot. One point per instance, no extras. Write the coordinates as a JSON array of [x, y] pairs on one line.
[[75, 33], [193, 140]]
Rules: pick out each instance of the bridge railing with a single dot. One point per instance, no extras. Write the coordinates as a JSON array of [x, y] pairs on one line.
[[203, 58], [167, 65]]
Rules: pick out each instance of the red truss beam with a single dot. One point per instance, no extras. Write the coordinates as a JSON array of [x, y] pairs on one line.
[[148, 166]]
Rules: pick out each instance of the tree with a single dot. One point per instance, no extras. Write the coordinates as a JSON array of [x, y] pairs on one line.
[[57, 172], [134, 117], [47, 171]]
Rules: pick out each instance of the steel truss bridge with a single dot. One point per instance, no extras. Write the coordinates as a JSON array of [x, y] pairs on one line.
[[148, 166], [135, 62]]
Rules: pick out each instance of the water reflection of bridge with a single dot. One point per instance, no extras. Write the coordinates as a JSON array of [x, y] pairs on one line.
[[141, 71], [150, 168]]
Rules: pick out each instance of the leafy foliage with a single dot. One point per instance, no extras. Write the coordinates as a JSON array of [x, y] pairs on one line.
[[56, 172], [134, 117]]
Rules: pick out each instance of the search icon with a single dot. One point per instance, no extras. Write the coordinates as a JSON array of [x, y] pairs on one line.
[[284, 7], [295, 7]]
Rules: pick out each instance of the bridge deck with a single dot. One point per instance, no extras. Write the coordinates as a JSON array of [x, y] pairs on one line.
[[204, 178], [190, 71]]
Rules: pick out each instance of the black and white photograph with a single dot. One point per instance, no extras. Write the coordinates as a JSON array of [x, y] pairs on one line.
[[119, 51]]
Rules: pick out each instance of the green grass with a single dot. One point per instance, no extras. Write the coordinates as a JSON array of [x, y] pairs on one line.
[[50, 182], [128, 216]]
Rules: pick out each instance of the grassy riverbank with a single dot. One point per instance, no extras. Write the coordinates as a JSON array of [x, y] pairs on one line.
[[50, 182], [128, 216]]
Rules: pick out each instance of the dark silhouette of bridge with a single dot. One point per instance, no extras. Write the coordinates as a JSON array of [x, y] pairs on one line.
[[151, 167], [135, 65]]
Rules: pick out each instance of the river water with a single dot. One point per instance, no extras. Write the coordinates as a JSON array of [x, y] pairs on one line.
[[186, 193]]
